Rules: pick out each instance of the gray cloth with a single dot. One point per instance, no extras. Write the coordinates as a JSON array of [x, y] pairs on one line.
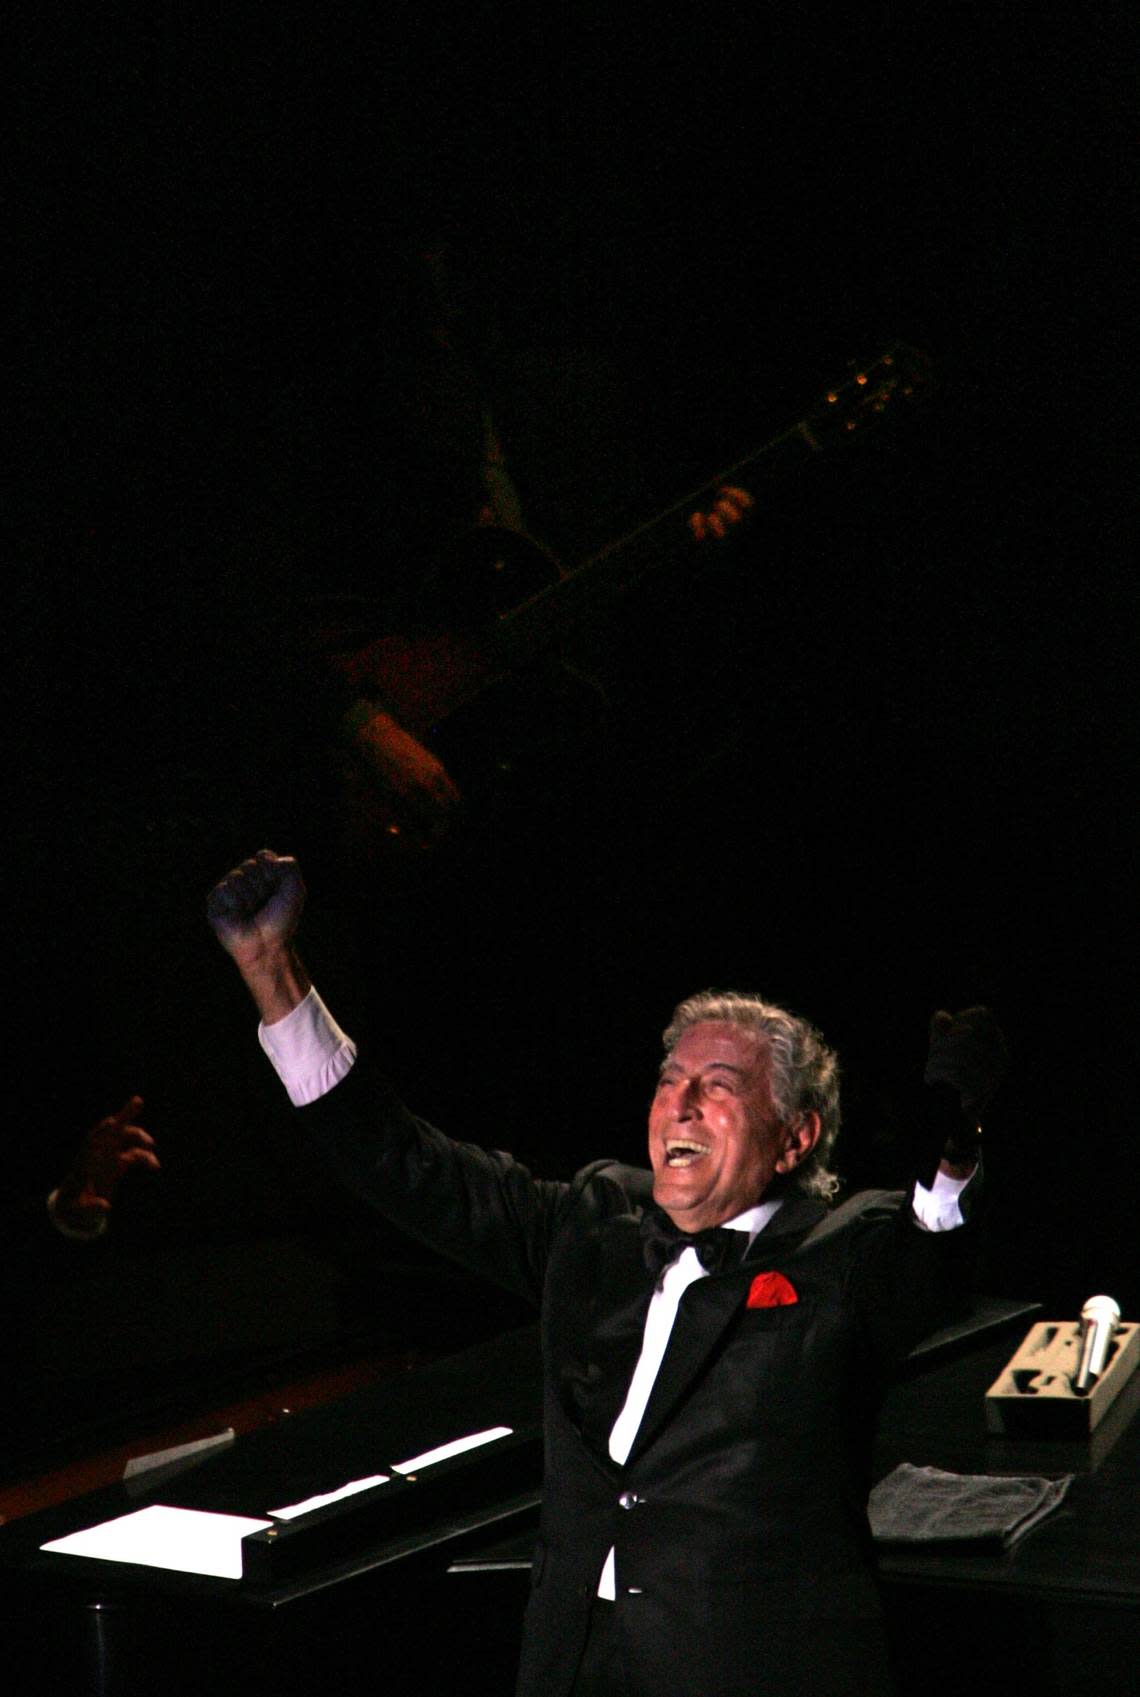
[[924, 1505]]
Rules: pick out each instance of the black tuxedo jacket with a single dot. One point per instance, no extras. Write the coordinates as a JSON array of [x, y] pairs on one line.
[[739, 1520]]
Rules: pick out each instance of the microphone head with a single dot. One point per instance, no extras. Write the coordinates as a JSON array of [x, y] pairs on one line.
[[1101, 1308]]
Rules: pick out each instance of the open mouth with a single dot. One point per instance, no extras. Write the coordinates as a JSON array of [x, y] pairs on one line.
[[684, 1152]]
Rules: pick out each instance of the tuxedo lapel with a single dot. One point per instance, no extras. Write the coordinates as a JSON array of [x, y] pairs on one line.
[[707, 1309], [785, 1231], [614, 1288], [711, 1305], [618, 1304]]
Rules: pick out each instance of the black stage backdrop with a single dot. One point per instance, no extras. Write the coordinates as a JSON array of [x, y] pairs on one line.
[[877, 757]]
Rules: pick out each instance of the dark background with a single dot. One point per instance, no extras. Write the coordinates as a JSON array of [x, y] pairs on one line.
[[875, 758]]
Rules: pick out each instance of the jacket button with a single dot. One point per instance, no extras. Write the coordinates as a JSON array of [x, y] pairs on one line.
[[629, 1499]]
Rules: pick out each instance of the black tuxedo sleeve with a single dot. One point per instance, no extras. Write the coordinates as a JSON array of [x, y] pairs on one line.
[[904, 1281], [479, 1207]]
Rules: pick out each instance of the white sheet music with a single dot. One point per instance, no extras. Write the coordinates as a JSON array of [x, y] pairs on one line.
[[310, 1503], [187, 1540], [443, 1452]]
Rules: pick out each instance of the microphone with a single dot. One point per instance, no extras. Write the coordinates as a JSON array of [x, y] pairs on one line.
[[1100, 1317]]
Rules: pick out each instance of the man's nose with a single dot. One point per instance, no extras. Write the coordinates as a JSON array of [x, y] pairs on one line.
[[688, 1099]]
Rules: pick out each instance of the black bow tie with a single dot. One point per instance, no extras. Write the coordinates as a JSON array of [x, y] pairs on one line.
[[662, 1242]]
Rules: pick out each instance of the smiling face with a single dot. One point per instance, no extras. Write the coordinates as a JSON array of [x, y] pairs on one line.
[[716, 1141]]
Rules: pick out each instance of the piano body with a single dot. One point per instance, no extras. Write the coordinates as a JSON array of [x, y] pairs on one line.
[[419, 1582]]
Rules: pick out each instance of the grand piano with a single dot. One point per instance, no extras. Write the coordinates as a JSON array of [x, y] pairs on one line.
[[417, 1580]]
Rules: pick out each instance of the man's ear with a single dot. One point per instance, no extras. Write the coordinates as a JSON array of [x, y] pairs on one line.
[[799, 1141]]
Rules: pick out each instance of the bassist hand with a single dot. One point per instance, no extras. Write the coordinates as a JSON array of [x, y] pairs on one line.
[[728, 510], [409, 777]]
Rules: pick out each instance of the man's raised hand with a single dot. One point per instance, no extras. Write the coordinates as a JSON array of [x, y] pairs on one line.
[[966, 1063], [255, 911], [968, 1052], [257, 907]]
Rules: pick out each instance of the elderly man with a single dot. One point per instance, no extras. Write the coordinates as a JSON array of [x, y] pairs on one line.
[[715, 1335]]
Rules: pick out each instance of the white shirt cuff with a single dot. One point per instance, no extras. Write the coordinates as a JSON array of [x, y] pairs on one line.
[[938, 1209], [310, 1052]]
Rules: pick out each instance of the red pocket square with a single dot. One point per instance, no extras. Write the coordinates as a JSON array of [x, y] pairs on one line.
[[771, 1290]]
